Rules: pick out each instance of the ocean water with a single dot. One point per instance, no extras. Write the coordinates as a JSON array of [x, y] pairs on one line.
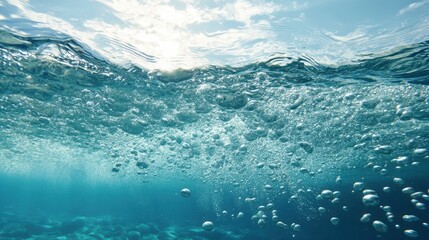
[[268, 144]]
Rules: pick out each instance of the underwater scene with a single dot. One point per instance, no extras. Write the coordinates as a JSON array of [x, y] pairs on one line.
[[229, 120]]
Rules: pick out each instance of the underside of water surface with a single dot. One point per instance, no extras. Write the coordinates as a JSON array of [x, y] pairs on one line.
[[288, 147]]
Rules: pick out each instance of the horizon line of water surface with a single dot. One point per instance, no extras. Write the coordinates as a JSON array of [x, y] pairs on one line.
[[403, 63]]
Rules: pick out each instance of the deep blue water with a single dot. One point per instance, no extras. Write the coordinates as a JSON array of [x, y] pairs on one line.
[[93, 150]]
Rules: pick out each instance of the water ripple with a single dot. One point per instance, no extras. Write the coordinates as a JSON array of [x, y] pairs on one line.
[[191, 35]]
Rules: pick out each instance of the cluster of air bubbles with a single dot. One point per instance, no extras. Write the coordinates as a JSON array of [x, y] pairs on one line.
[[371, 199], [334, 198], [370, 196], [268, 214], [389, 215]]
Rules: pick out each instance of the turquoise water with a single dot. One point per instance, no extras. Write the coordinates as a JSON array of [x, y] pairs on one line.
[[90, 148], [273, 143]]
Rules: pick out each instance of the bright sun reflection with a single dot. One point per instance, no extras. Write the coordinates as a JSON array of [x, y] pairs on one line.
[[169, 51]]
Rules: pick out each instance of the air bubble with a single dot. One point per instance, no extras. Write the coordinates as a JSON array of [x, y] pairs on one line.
[[385, 149], [376, 168], [208, 226], [410, 218], [420, 152], [297, 227], [335, 221], [408, 190], [338, 180], [387, 209], [420, 206], [327, 194], [371, 200], [411, 233], [293, 197], [415, 164], [306, 146], [321, 210], [399, 181], [142, 165], [416, 195], [379, 226], [281, 225], [336, 194], [400, 160], [185, 192], [366, 218], [369, 191]]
